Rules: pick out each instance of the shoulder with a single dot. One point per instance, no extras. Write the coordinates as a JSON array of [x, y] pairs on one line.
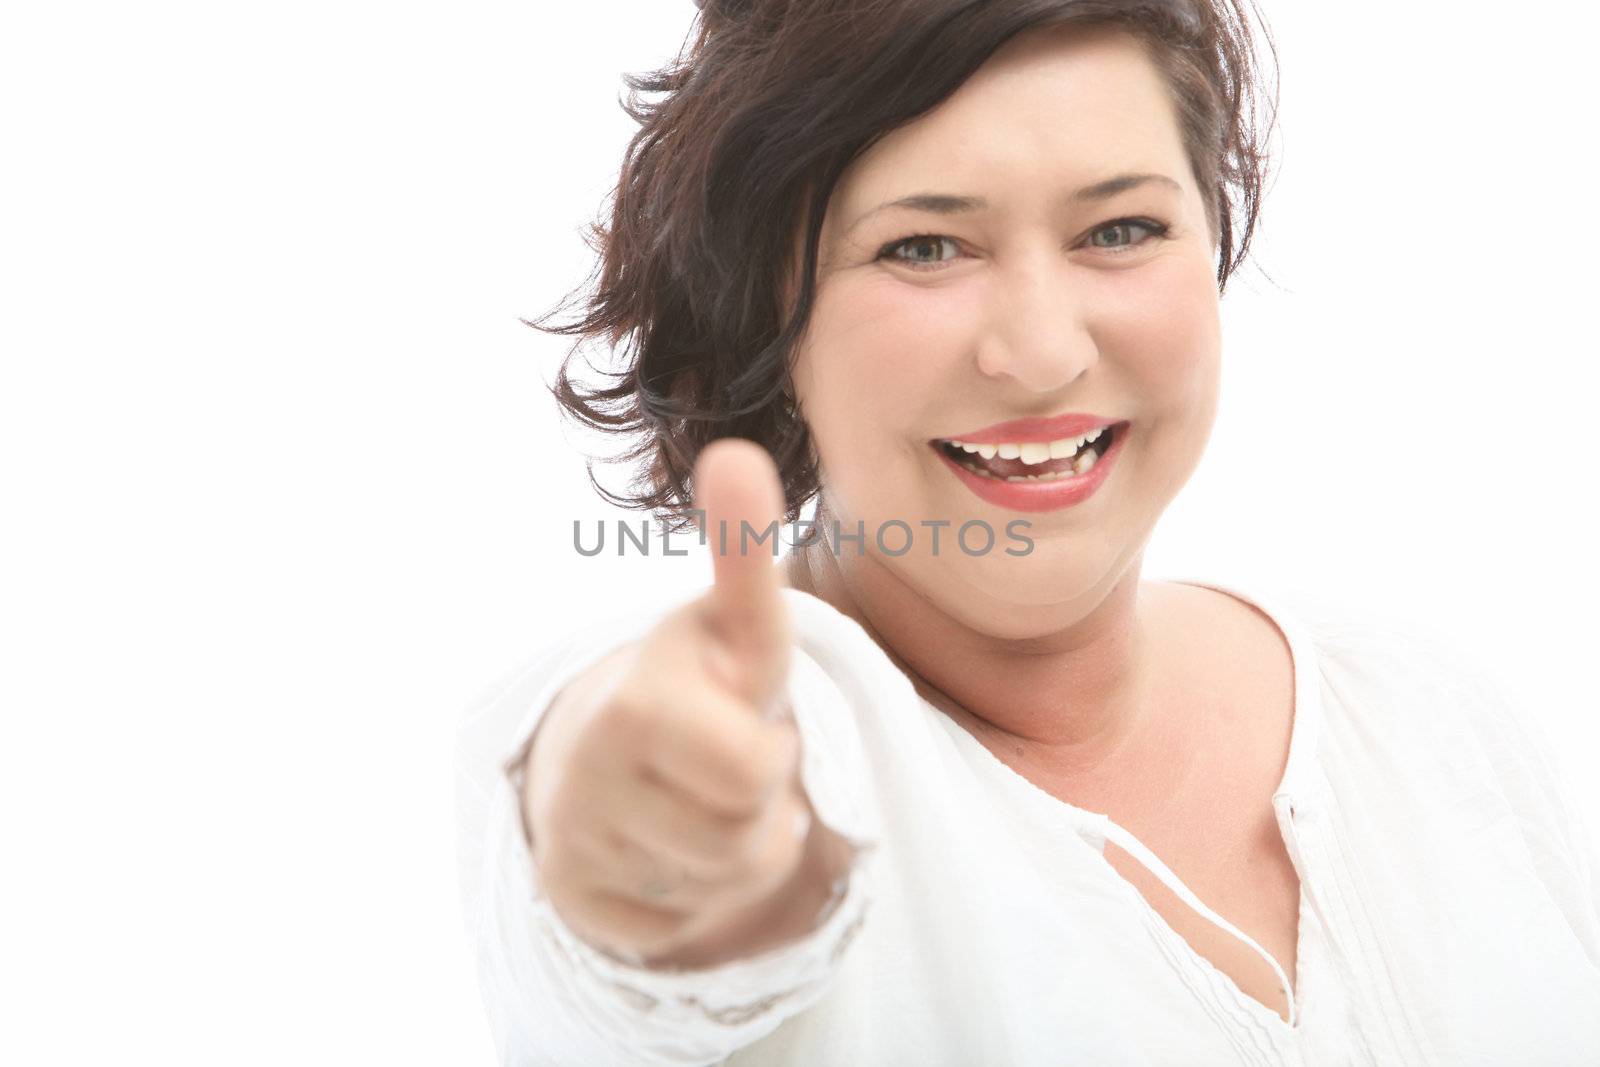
[[849, 698], [1371, 659], [1389, 681], [1394, 682], [1393, 689], [839, 645]]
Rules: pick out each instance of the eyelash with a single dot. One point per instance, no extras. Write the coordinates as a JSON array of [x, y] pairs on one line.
[[1157, 232]]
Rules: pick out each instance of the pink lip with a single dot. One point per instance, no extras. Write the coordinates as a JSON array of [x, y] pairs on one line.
[[1040, 496], [1021, 431]]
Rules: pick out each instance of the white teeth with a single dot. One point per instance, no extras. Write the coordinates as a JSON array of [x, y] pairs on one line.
[[1033, 452], [1069, 446]]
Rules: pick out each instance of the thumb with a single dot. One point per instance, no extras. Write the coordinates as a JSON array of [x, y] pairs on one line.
[[738, 492]]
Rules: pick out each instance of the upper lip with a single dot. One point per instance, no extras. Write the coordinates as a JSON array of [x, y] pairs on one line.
[[1019, 431]]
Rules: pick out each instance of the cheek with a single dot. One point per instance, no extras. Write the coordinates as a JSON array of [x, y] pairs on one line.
[[873, 375], [875, 362], [1166, 332], [882, 331]]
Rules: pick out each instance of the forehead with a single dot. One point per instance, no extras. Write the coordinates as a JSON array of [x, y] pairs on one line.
[[1064, 104]]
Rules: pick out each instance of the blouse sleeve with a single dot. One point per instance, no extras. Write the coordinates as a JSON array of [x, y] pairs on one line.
[[1559, 838], [553, 998]]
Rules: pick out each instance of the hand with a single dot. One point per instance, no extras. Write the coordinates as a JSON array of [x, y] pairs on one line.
[[665, 807]]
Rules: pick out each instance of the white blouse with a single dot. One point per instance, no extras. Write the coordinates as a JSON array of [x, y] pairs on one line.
[[1449, 910]]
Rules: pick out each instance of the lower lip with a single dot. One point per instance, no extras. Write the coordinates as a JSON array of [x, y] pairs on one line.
[[1041, 496]]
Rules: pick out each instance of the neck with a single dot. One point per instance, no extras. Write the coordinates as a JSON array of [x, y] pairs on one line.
[[1067, 700]]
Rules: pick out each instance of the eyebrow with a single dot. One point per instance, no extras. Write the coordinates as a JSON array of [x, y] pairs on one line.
[[949, 204]]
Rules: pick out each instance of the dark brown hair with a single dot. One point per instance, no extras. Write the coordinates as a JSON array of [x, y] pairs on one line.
[[762, 111]]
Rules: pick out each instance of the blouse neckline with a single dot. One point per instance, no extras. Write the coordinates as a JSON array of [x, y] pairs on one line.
[[1297, 786], [1293, 800]]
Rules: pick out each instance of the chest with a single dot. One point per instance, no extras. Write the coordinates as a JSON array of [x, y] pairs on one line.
[[1211, 822], [1201, 800], [1251, 883]]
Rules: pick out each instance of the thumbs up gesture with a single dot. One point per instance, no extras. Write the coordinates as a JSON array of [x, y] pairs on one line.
[[744, 618], [664, 801]]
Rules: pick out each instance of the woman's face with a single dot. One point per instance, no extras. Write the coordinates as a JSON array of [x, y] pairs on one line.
[[1047, 300]]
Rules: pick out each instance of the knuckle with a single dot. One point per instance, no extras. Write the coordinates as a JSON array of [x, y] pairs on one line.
[[566, 816], [718, 851], [590, 845], [765, 840], [728, 868], [736, 863], [626, 728], [748, 792], [566, 859], [707, 844], [567, 889], [748, 784], [751, 852], [630, 709], [555, 875], [756, 775]]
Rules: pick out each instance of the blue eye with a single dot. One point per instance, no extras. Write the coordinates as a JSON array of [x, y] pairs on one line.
[[928, 243], [922, 240], [1155, 229]]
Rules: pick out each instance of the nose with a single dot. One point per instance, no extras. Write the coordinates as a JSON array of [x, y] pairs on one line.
[[1038, 335]]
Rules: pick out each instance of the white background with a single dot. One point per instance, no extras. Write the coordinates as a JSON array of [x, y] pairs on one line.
[[284, 491]]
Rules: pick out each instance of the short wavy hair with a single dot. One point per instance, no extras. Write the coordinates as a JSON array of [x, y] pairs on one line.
[[757, 118]]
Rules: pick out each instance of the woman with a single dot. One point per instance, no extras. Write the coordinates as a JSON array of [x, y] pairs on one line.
[[955, 268]]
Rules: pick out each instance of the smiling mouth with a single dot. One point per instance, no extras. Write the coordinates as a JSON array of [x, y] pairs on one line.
[[1029, 461]]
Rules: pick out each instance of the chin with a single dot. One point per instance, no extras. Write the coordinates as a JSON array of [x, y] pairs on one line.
[[1015, 597]]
